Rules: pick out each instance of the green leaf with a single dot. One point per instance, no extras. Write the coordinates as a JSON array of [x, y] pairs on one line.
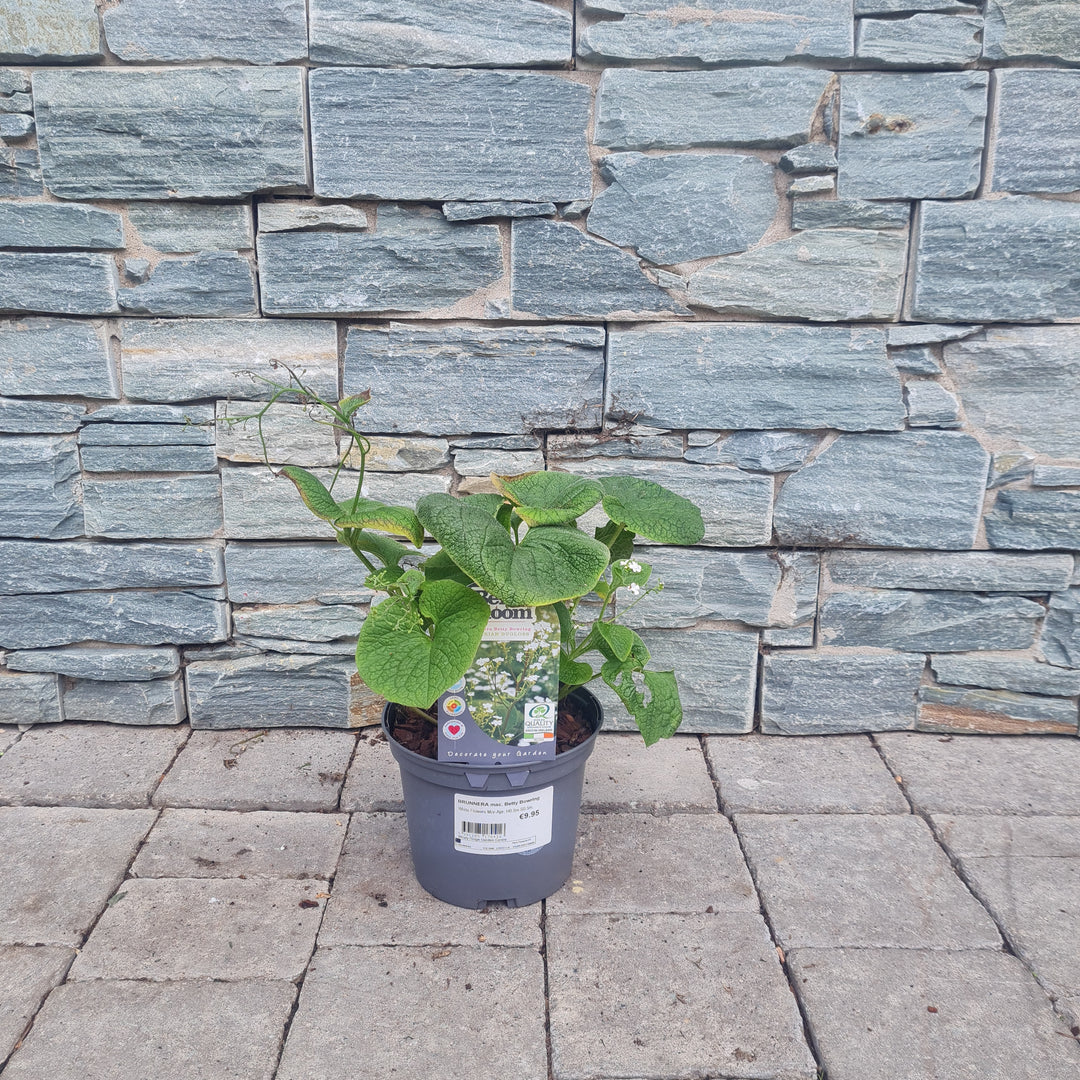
[[440, 567], [361, 513], [486, 500], [551, 563], [566, 625], [399, 660], [620, 639], [618, 538], [651, 510], [573, 672], [549, 498], [314, 493], [659, 716], [389, 552], [347, 406], [382, 579]]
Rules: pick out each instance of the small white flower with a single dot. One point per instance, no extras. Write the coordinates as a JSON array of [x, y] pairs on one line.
[[633, 567], [496, 722], [633, 588]]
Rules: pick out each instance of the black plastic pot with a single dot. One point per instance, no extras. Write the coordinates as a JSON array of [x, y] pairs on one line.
[[478, 833]]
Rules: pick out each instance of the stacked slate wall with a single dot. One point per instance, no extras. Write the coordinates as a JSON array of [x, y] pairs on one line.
[[814, 263]]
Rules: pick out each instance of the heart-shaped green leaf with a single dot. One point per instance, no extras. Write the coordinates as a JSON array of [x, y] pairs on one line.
[[651, 510], [619, 639], [397, 659], [656, 718], [313, 492], [361, 513], [617, 537], [490, 501], [551, 563], [549, 498], [573, 672]]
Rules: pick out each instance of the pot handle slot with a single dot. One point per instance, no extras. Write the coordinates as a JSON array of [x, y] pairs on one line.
[[517, 779], [477, 779]]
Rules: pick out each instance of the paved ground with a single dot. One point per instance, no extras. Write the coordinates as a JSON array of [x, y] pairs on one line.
[[240, 906]]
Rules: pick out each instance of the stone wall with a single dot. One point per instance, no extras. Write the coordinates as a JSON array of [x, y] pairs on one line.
[[815, 264]]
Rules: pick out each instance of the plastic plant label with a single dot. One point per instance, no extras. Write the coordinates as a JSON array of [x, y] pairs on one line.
[[503, 825], [505, 708]]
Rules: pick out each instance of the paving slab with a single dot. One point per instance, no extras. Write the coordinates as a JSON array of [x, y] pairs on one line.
[[27, 974], [886, 1014], [625, 774], [638, 863], [95, 765], [377, 900], [804, 774], [278, 769], [978, 836], [860, 880], [374, 782], [183, 928], [8, 737], [60, 866], [671, 996], [134, 1030], [225, 844], [987, 774], [374, 1013]]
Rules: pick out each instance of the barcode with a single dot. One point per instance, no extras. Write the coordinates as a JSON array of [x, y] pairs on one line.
[[484, 828]]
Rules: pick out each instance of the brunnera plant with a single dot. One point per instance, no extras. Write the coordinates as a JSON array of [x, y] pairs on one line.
[[521, 544]]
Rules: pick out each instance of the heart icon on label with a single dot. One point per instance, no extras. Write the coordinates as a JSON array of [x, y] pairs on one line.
[[453, 728]]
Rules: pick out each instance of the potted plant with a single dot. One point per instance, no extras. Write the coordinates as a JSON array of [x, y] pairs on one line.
[[516, 552]]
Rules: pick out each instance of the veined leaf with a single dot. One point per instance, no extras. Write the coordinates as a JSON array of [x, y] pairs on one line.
[[440, 566], [618, 538], [573, 672], [651, 510], [549, 498], [397, 659], [388, 551], [619, 639], [490, 501], [349, 405], [551, 563], [313, 491], [656, 718], [364, 513]]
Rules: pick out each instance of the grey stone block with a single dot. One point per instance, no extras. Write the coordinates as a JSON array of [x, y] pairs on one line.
[[626, 776], [15, 126], [187, 928], [444, 33], [848, 214], [759, 775], [1056, 476], [911, 136], [414, 261], [39, 494], [929, 621], [811, 185], [215, 283], [60, 867], [88, 765], [186, 359], [991, 774], [108, 665], [20, 172], [912, 490], [916, 360], [679, 207], [976, 836], [907, 7], [288, 215], [1019, 253], [974, 571], [930, 405], [662, 376], [315, 623], [259, 770], [757, 451], [29, 568], [132, 429], [221, 844], [9, 736], [880, 1015], [123, 618], [377, 900], [262, 33], [50, 30], [374, 780], [635, 863], [46, 357], [108, 459], [174, 508], [815, 157], [324, 1033], [27, 974], [569, 448], [181, 227], [58, 282], [824, 275], [543, 377], [1018, 383], [950, 708], [1034, 520], [160, 701], [180, 133], [86, 1029], [748, 107], [827, 693], [387, 453], [30, 699], [293, 573], [717, 32], [743, 1024], [1018, 29], [901, 336], [557, 271], [60, 226], [861, 880], [922, 40], [286, 434], [1001, 673], [1061, 634], [503, 462], [20, 417], [412, 134], [475, 211]]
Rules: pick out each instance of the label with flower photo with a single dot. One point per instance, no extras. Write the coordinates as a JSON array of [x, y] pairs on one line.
[[505, 708]]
